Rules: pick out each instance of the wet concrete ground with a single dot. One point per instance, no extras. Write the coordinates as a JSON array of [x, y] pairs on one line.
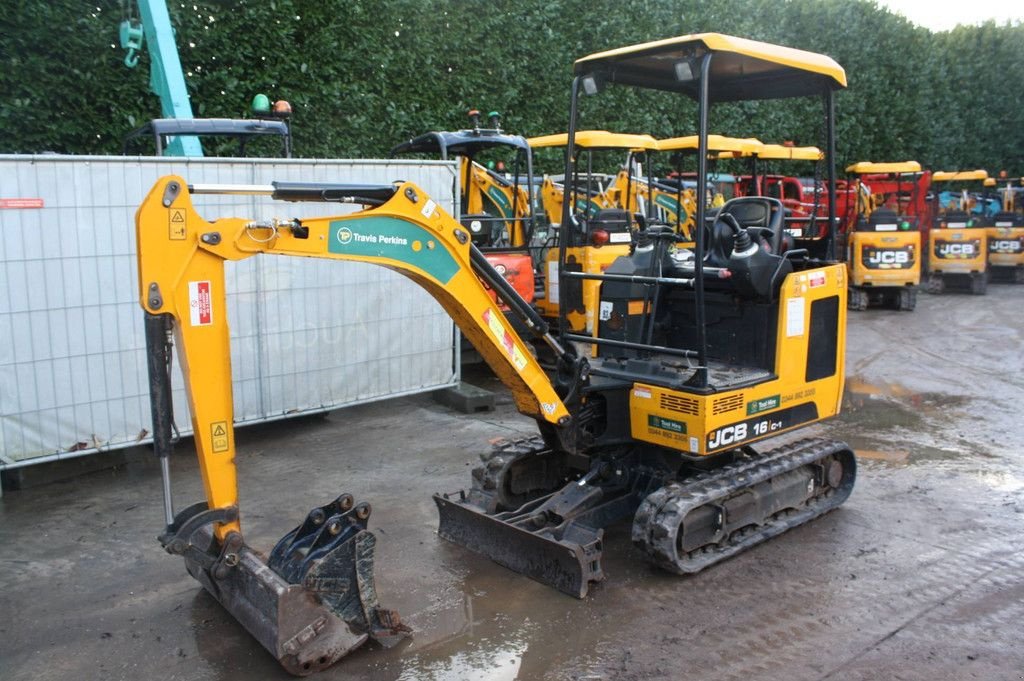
[[920, 575]]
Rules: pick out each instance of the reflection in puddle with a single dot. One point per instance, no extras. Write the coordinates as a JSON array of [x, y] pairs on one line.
[[485, 660], [889, 423], [1002, 481], [893, 456]]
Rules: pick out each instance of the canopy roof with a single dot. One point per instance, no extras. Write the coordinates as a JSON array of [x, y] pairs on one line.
[[959, 175], [719, 143], [782, 151], [740, 69], [868, 167], [596, 139], [458, 143]]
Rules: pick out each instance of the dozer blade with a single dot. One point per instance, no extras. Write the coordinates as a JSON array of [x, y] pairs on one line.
[[568, 563], [312, 602]]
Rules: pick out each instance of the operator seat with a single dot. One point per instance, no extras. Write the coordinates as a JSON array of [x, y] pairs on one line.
[[610, 220], [955, 216], [762, 217], [880, 216], [1007, 219]]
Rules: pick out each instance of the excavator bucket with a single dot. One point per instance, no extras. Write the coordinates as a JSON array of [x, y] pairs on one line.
[[312, 601]]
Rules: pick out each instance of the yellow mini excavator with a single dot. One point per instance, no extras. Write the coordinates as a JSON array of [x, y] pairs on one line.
[[883, 240], [958, 237], [701, 354]]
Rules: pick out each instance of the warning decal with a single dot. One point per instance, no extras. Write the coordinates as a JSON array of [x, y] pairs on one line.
[[219, 433], [505, 340], [21, 203], [177, 224], [200, 306]]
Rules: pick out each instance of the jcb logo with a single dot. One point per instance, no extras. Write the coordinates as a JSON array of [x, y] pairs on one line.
[[889, 258], [1004, 246], [727, 436], [955, 250]]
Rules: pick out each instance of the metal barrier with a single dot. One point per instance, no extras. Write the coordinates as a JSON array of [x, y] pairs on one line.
[[307, 336]]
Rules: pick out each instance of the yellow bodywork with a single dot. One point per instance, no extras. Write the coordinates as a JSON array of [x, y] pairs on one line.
[[592, 259], [703, 424], [957, 249], [596, 139], [959, 175], [1005, 245], [884, 259], [716, 143], [181, 257]]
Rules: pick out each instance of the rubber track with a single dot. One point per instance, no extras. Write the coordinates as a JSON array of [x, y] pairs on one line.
[[657, 520], [486, 491]]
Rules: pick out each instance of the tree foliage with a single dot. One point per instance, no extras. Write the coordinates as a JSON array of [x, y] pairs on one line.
[[365, 74]]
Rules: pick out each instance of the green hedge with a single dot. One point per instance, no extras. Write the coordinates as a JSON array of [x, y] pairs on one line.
[[362, 75]]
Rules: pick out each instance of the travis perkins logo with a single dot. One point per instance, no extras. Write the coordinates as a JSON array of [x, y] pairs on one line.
[[347, 236]]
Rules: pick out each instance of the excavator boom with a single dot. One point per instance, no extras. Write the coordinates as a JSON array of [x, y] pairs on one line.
[[313, 600]]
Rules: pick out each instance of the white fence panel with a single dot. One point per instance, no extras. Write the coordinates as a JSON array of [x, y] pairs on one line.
[[307, 335]]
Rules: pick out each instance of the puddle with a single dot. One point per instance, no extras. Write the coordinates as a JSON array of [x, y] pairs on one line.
[[902, 453], [891, 424], [485, 661], [1002, 481], [860, 394]]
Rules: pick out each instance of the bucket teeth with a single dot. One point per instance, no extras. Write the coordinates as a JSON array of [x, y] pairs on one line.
[[313, 600]]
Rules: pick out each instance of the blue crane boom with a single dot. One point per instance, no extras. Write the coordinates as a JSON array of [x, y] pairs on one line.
[[166, 77]]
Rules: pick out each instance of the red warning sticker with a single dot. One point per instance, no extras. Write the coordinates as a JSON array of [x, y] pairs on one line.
[[199, 303], [817, 279], [21, 203]]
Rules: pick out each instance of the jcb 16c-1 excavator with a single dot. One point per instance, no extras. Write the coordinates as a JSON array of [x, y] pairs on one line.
[[701, 353]]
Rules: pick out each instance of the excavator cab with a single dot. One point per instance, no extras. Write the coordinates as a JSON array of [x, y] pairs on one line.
[[497, 198], [674, 196], [703, 352], [603, 211], [958, 235], [883, 241]]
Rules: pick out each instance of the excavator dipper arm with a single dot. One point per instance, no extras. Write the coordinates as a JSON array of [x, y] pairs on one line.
[[312, 601]]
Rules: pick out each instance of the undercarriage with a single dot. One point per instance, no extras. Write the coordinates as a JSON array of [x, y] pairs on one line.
[[528, 511]]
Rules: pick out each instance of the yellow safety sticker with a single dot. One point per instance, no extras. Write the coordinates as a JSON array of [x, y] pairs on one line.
[[219, 431], [177, 224]]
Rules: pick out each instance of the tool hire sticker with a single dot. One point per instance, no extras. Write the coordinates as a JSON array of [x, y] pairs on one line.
[[200, 304]]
